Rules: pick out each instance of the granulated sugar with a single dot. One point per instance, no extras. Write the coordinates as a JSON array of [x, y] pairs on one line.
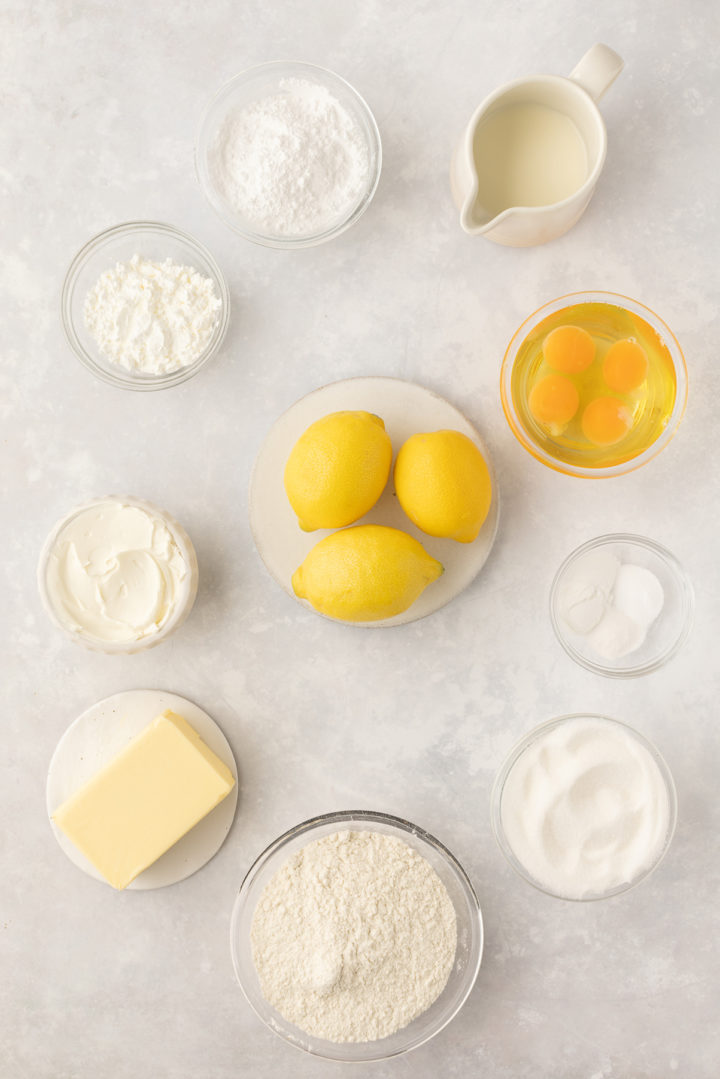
[[293, 163], [354, 937]]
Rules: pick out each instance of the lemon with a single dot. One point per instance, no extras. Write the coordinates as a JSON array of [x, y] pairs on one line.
[[338, 469], [365, 573], [443, 484]]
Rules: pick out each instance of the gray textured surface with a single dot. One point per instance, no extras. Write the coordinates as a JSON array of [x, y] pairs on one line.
[[100, 103]]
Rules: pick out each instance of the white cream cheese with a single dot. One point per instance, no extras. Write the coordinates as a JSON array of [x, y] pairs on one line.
[[585, 808], [115, 573]]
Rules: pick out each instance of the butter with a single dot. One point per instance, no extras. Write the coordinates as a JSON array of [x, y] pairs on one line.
[[145, 800]]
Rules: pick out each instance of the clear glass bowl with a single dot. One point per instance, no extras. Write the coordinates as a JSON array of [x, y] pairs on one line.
[[469, 934], [529, 438], [496, 798], [260, 82], [151, 240], [666, 634], [183, 603]]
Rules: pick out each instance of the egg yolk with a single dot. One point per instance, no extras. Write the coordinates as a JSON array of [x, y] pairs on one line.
[[569, 348], [553, 400], [605, 421], [625, 366]]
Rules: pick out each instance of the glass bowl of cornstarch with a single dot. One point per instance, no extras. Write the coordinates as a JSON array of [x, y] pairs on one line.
[[356, 936], [144, 306], [288, 154]]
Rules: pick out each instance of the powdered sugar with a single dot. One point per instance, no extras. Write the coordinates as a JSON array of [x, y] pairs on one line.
[[354, 937], [293, 163], [152, 317]]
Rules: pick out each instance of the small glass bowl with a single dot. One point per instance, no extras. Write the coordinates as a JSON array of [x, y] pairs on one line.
[[259, 82], [511, 760], [184, 602], [666, 634], [151, 240], [469, 934], [526, 437]]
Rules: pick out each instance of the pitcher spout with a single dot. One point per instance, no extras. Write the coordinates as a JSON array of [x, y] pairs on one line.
[[475, 218]]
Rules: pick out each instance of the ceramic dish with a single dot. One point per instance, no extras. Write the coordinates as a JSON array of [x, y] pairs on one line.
[[260, 82], [157, 242], [469, 934], [184, 601], [98, 735], [405, 409], [665, 635], [496, 805], [636, 319]]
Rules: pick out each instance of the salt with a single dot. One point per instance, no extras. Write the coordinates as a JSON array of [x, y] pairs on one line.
[[293, 163]]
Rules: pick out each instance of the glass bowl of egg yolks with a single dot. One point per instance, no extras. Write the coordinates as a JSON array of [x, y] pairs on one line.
[[593, 384]]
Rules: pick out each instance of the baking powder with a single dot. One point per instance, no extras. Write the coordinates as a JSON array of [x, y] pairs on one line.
[[353, 937], [293, 163], [152, 317]]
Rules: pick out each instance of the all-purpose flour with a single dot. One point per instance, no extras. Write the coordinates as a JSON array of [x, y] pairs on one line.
[[152, 317], [354, 937], [292, 163]]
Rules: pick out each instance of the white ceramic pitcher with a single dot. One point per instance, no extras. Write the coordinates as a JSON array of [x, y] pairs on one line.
[[574, 97]]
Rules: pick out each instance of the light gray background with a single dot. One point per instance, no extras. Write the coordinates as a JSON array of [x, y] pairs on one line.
[[99, 107]]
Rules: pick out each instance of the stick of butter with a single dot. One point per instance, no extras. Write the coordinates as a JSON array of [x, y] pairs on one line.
[[145, 800]]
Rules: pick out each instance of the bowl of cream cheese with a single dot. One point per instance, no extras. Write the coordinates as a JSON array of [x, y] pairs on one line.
[[584, 807], [621, 605], [118, 575], [144, 306]]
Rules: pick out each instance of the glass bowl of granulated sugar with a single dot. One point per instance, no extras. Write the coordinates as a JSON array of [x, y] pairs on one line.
[[288, 154], [356, 936], [144, 306]]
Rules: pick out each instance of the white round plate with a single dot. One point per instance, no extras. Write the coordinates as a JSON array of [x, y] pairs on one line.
[[98, 735], [406, 409]]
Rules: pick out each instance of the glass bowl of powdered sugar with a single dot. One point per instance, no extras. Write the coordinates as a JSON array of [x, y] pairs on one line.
[[144, 306], [356, 936], [621, 605], [288, 154]]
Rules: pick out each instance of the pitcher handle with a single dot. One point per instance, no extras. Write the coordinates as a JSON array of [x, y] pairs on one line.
[[597, 70]]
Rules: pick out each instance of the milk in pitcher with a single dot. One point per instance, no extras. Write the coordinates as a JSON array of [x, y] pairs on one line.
[[527, 154]]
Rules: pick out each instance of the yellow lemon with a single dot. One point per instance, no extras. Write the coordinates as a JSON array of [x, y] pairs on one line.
[[365, 573], [443, 484], [338, 469]]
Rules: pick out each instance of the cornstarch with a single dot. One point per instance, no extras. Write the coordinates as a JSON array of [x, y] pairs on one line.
[[292, 163], [152, 317], [353, 937]]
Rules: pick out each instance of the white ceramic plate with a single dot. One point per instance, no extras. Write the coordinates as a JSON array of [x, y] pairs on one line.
[[405, 409], [98, 735]]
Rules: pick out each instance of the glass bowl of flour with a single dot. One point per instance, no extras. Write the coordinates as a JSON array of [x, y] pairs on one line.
[[288, 154], [356, 936], [621, 605], [144, 306]]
